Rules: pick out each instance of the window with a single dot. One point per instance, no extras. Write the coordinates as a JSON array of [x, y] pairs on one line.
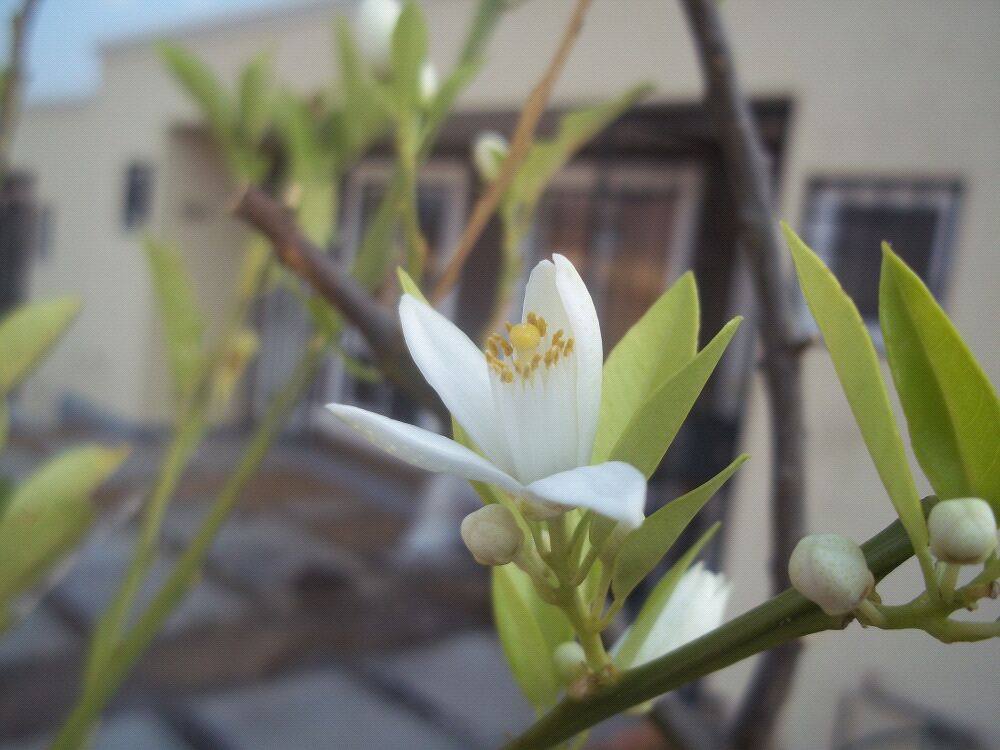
[[45, 226], [138, 201], [847, 220]]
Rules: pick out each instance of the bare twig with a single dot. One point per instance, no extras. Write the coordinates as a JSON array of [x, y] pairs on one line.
[[749, 178], [377, 324], [13, 80], [524, 135]]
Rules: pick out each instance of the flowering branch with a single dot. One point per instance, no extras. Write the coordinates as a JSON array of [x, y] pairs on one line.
[[379, 326], [749, 177]]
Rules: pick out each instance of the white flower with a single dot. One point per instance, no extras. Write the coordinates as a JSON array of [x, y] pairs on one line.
[[488, 154], [428, 83], [696, 606], [375, 24], [830, 570], [962, 531], [530, 402]]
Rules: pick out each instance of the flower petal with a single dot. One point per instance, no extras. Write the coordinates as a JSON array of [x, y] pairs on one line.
[[696, 606], [423, 448], [614, 489], [586, 331], [457, 370]]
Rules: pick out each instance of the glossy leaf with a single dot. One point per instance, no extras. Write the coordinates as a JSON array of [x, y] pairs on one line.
[[181, 317], [657, 600], [663, 340], [645, 547], [49, 512], [28, 333], [857, 367], [951, 407], [646, 438], [529, 631]]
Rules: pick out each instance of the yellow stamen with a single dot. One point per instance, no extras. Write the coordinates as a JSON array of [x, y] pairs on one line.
[[568, 349], [557, 337]]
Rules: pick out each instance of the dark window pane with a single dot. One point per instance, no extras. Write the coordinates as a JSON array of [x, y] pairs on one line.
[[138, 195]]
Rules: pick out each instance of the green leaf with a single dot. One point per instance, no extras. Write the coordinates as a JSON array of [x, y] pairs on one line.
[[951, 408], [28, 333], [364, 107], [376, 252], [645, 547], [649, 434], [49, 512], [409, 51], [488, 15], [4, 427], [857, 367], [529, 631], [255, 101], [663, 341], [657, 600], [182, 319], [440, 107]]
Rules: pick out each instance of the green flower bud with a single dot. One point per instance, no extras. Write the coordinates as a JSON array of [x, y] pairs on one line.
[[831, 571], [488, 154], [963, 531], [570, 661], [492, 535]]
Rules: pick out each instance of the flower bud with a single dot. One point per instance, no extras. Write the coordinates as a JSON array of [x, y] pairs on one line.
[[488, 154], [428, 82], [375, 24], [962, 531], [830, 570], [570, 661], [492, 535]]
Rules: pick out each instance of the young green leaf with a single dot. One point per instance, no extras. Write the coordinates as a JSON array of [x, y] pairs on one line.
[[951, 408], [645, 547], [409, 50], [663, 341], [529, 631], [657, 600], [440, 106], [376, 252], [49, 512], [181, 317], [487, 17], [648, 435], [363, 101], [28, 333], [857, 367], [255, 99]]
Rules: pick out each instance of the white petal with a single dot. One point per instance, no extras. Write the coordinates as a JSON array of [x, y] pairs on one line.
[[589, 355], [457, 370], [696, 606], [422, 448], [614, 489]]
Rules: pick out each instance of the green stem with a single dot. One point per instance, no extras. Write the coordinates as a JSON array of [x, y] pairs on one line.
[[948, 581], [186, 572]]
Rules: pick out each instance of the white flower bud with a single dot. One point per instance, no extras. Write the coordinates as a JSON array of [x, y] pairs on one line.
[[374, 25], [962, 531], [830, 570], [428, 82], [488, 154], [492, 535], [570, 661]]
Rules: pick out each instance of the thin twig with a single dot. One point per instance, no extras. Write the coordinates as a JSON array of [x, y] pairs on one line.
[[378, 325], [524, 136], [749, 177], [10, 95]]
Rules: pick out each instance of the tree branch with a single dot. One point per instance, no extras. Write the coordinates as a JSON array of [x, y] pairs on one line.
[[13, 81], [378, 325], [524, 135], [748, 172]]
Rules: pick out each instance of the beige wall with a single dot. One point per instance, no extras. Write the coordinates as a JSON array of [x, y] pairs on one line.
[[889, 88]]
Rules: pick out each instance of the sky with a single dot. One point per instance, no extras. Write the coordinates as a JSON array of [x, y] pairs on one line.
[[63, 57]]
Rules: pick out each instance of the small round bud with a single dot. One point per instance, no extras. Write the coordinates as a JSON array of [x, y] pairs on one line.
[[375, 24], [488, 154], [492, 535], [962, 531], [830, 570], [428, 82], [570, 661]]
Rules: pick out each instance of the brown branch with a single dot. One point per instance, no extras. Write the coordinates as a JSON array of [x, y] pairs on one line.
[[10, 94], [524, 135], [379, 326], [749, 178]]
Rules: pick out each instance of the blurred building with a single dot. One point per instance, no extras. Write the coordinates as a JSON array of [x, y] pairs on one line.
[[882, 121]]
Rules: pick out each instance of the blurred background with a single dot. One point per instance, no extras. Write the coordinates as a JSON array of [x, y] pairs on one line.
[[338, 608]]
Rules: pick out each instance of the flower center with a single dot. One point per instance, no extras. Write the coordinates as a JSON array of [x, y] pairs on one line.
[[525, 350]]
